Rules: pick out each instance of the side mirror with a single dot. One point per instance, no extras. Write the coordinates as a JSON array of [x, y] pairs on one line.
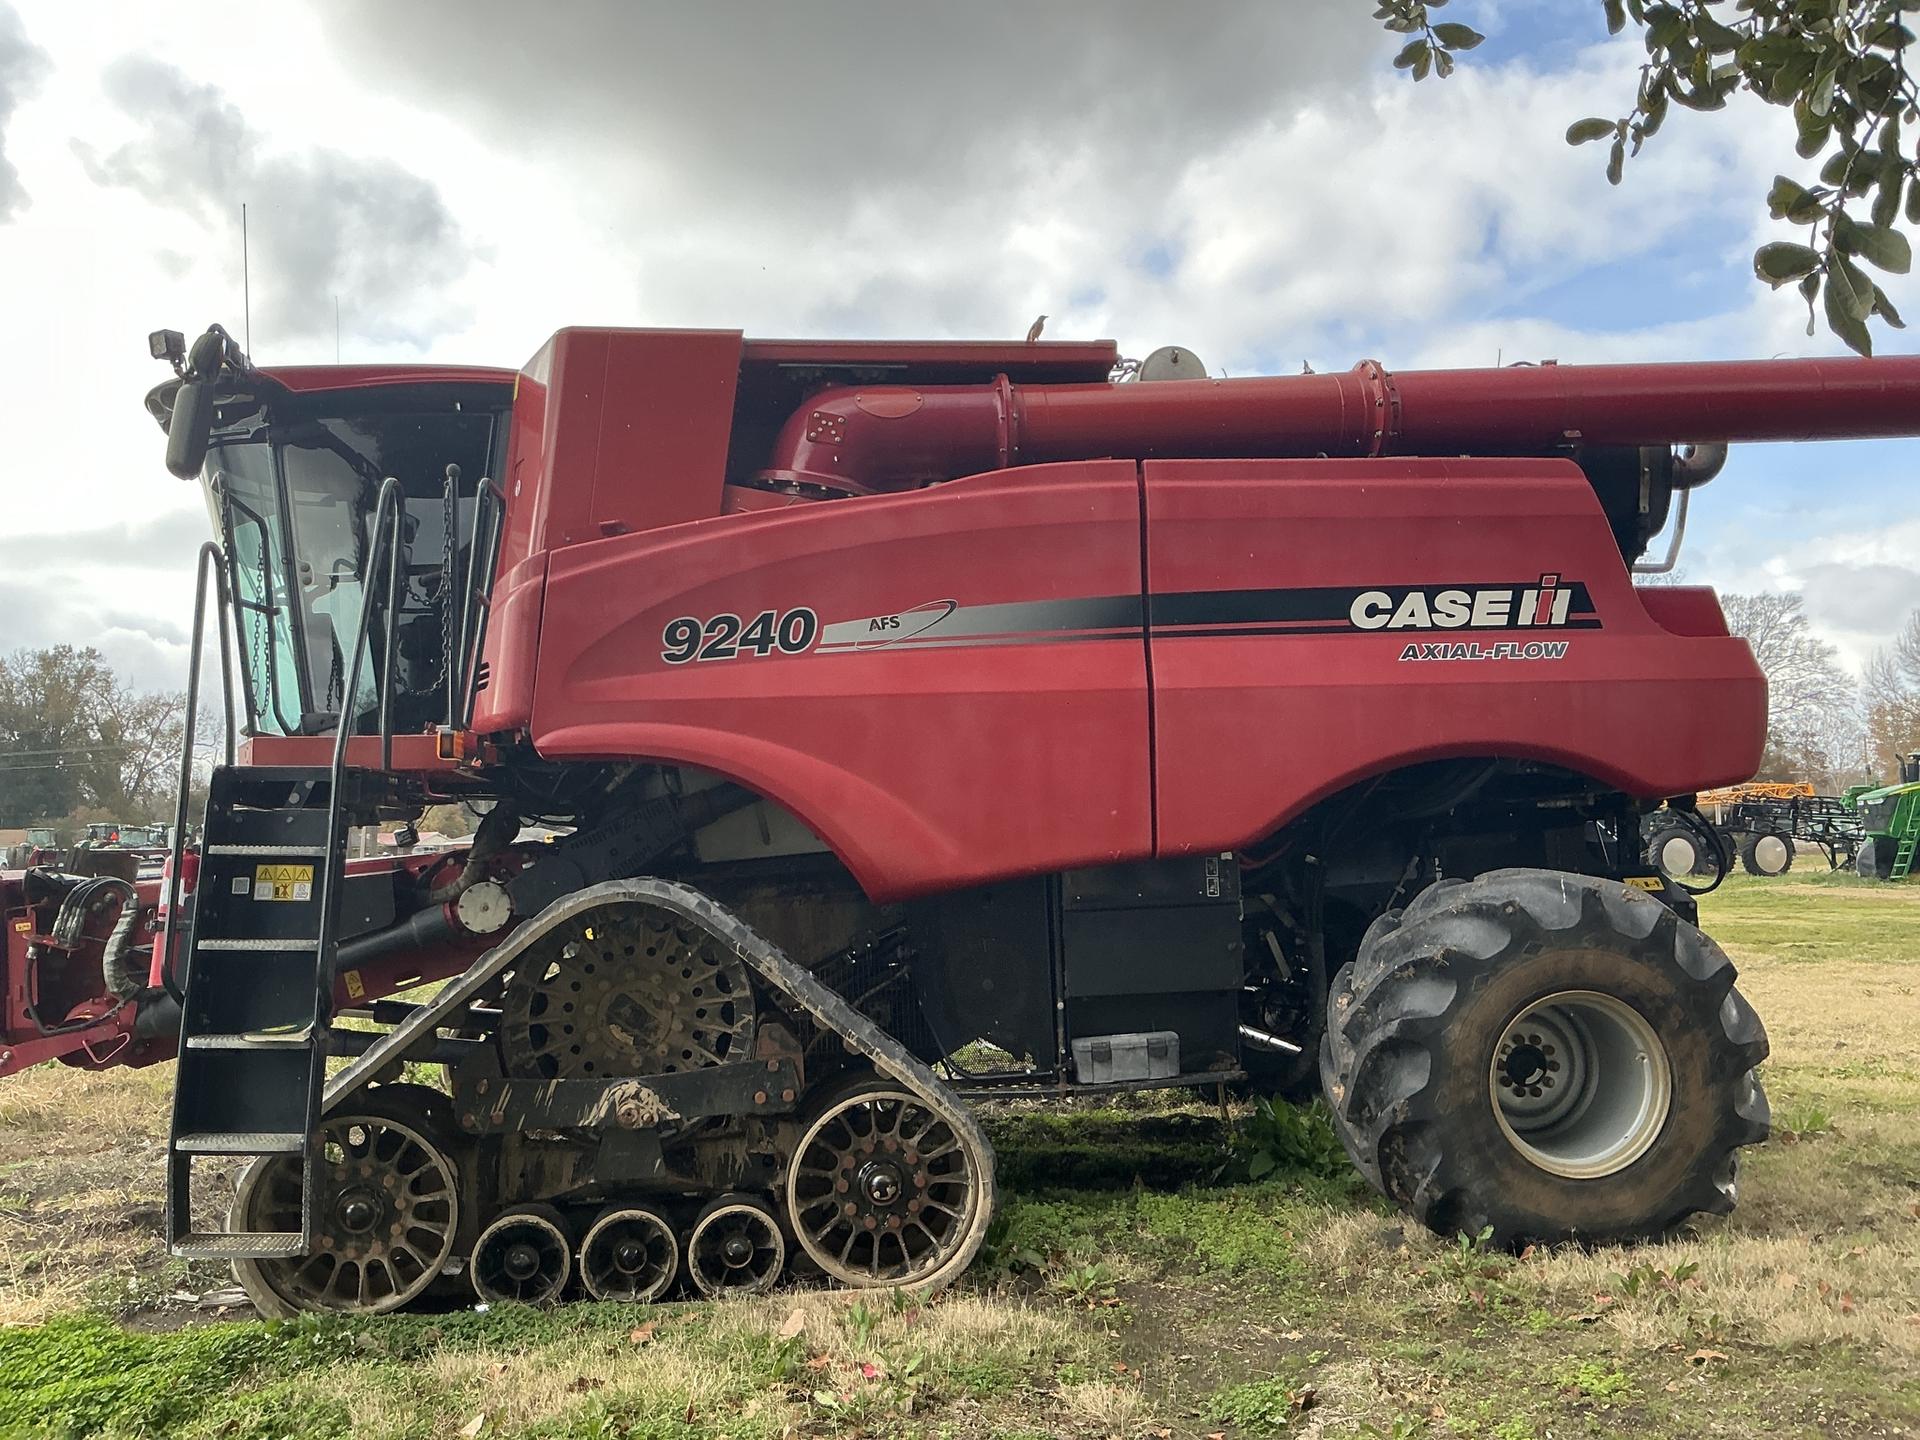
[[190, 428], [192, 423]]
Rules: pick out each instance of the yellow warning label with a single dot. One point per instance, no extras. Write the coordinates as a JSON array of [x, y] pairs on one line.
[[1645, 882], [283, 882], [25, 927], [355, 989]]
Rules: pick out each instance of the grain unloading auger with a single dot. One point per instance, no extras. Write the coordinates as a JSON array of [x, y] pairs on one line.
[[833, 706]]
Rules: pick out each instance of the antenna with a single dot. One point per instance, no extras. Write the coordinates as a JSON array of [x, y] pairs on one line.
[[246, 283]]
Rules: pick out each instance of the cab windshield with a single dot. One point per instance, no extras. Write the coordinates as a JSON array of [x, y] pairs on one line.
[[293, 498]]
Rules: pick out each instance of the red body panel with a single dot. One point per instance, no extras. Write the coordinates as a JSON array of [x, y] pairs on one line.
[[303, 379], [1250, 729], [924, 766]]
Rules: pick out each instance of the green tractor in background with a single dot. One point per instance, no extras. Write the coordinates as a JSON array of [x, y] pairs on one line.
[[1890, 815]]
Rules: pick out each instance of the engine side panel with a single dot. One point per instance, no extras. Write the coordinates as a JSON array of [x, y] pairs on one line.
[[949, 686], [1317, 621]]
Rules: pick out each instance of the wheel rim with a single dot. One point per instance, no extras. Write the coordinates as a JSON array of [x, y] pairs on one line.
[[736, 1249], [881, 1190], [629, 1255], [1678, 855], [388, 1211], [1770, 854], [521, 1256], [1581, 1084]]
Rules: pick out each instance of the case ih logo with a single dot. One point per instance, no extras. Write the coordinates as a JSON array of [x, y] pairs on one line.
[[1479, 607]]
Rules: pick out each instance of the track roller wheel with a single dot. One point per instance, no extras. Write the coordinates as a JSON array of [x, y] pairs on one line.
[[882, 1191], [389, 1211], [1545, 1056], [630, 1254], [736, 1248], [524, 1256]]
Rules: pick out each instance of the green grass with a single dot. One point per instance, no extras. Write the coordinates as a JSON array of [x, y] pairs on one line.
[[1134, 1280]]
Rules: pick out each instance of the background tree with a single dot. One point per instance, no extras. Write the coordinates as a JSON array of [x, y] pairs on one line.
[[1814, 729], [74, 737], [1891, 695], [1839, 65]]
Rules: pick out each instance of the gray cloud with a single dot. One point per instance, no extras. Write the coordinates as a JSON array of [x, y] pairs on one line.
[[22, 63], [864, 164], [165, 542], [321, 223], [1871, 598]]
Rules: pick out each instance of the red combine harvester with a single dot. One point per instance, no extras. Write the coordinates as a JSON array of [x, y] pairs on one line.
[[875, 699]]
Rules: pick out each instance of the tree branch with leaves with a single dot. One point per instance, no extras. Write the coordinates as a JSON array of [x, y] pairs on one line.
[[1840, 66]]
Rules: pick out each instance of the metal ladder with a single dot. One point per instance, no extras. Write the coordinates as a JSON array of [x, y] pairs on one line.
[[257, 1002], [1903, 856], [259, 991]]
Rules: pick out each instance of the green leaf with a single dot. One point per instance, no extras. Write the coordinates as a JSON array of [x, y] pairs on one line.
[[1781, 261], [1593, 128], [1820, 97], [1840, 316], [1261, 1164], [1883, 247], [1883, 307], [1442, 63], [1715, 36], [1859, 288], [1789, 200], [1913, 201], [1886, 205], [1616, 16], [1410, 55], [1616, 161], [1457, 37]]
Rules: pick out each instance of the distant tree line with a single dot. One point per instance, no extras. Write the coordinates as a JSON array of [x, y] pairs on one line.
[[77, 742], [1822, 726]]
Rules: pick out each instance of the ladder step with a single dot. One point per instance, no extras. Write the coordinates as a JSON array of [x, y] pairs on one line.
[[300, 1039], [244, 945], [273, 852], [241, 1142], [240, 1245]]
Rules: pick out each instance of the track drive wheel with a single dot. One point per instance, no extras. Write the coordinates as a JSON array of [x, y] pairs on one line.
[[1547, 1056], [736, 1248], [881, 1190], [1766, 854], [389, 1210]]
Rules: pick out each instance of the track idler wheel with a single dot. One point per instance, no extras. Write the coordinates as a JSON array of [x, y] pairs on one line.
[[631, 1255], [736, 1248], [523, 1256], [389, 1211], [882, 1190]]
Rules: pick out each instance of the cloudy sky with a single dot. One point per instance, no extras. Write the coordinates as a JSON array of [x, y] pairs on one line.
[[463, 177]]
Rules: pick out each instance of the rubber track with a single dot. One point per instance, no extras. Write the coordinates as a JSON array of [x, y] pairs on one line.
[[787, 979]]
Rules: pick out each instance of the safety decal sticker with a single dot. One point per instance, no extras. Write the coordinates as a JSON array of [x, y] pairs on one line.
[[283, 882]]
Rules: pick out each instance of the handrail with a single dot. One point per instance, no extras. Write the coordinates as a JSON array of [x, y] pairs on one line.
[[211, 561], [489, 505], [387, 510]]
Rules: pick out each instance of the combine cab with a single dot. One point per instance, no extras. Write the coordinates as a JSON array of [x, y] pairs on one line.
[[832, 706]]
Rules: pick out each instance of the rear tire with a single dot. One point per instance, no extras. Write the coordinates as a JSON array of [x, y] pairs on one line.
[[1766, 854], [1675, 851], [1874, 859], [1545, 1056]]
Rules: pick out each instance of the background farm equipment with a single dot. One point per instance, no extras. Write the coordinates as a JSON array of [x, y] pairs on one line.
[[1757, 824], [1889, 816]]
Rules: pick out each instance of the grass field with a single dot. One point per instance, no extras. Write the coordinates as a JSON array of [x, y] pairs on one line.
[[1151, 1299]]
